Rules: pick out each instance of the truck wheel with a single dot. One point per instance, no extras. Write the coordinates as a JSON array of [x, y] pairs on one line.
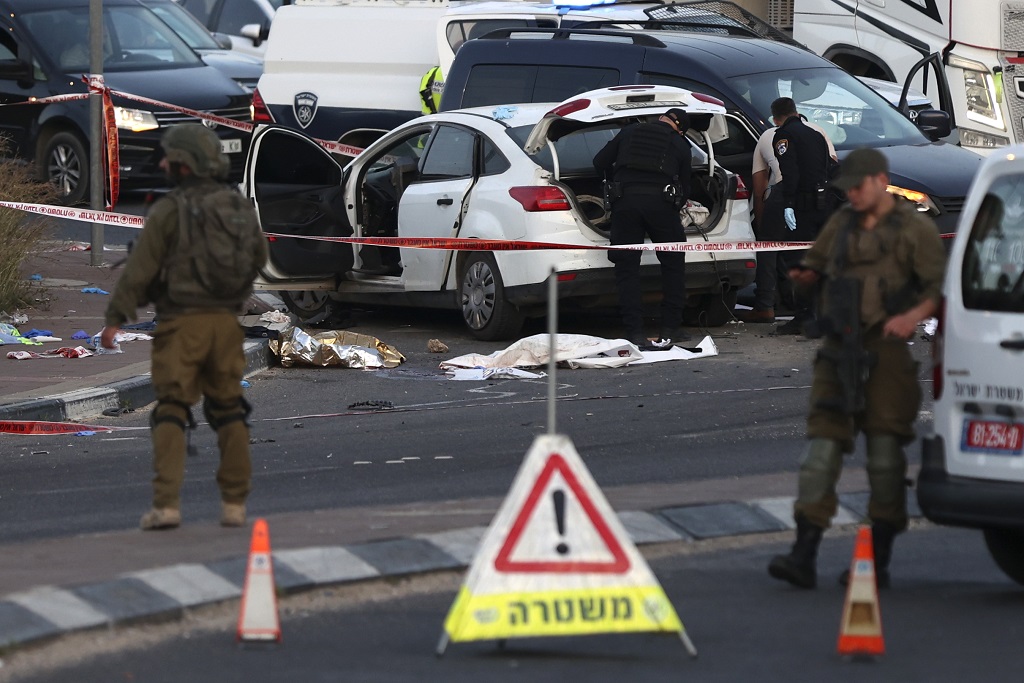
[[482, 300], [1006, 546], [65, 164]]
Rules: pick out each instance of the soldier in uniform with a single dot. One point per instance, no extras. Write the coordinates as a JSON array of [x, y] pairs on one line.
[[197, 345], [896, 259], [804, 161], [650, 164]]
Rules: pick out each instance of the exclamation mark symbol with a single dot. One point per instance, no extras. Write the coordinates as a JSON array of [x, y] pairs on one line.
[[558, 498]]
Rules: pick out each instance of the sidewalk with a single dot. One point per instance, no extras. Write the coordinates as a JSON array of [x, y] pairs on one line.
[[58, 389], [58, 586]]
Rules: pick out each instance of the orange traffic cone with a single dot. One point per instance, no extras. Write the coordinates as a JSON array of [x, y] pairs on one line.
[[257, 619], [860, 632]]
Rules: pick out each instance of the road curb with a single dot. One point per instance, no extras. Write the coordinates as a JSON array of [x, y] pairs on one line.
[[165, 594], [134, 392]]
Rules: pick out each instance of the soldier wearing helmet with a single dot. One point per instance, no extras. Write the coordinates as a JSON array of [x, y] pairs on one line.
[[197, 346]]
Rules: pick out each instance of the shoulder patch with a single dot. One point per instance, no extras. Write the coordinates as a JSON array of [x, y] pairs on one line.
[[781, 146]]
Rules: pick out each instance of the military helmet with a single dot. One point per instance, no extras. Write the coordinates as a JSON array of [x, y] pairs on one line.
[[197, 147]]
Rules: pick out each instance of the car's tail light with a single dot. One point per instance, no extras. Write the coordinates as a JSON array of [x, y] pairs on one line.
[[540, 198], [938, 350], [741, 189], [569, 107], [258, 109]]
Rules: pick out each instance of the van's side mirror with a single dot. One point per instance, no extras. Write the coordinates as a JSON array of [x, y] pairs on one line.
[[934, 123], [16, 70], [257, 33]]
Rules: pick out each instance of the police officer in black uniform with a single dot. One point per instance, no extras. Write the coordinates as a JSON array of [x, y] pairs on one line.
[[804, 161], [649, 164]]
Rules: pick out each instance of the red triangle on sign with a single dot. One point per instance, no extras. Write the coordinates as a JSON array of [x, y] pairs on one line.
[[504, 563]]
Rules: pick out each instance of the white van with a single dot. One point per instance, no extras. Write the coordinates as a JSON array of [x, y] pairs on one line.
[[963, 53], [972, 466]]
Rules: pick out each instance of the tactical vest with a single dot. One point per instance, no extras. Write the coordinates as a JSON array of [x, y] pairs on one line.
[[881, 260], [649, 149]]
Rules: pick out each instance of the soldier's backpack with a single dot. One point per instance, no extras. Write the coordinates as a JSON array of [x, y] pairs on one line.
[[218, 251]]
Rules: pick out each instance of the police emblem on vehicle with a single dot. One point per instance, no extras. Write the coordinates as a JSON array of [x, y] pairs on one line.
[[304, 108]]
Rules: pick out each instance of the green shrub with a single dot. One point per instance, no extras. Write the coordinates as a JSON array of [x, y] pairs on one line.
[[21, 234]]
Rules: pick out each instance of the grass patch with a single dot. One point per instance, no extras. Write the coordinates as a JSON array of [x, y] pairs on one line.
[[21, 234]]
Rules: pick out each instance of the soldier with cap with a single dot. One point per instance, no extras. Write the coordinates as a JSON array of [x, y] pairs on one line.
[[649, 164], [197, 346], [891, 258]]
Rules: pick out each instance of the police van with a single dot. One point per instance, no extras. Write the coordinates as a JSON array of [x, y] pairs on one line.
[[972, 464], [966, 51], [349, 70]]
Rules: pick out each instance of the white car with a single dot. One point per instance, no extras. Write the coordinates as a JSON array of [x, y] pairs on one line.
[[465, 174], [972, 466], [245, 22]]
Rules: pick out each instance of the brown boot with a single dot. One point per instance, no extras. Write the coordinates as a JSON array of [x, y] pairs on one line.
[[755, 316], [232, 514], [160, 518]]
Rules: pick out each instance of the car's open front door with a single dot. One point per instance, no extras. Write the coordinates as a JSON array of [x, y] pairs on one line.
[[296, 187]]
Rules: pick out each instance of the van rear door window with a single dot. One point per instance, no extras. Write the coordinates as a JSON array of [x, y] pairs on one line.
[[992, 275], [513, 84]]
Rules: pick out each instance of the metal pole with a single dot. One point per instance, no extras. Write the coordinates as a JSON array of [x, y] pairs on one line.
[[552, 348], [96, 140]]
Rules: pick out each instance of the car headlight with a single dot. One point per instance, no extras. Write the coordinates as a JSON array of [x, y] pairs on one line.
[[135, 120], [923, 201], [980, 89]]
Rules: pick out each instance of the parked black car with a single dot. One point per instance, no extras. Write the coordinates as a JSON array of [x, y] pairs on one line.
[[44, 51], [745, 72]]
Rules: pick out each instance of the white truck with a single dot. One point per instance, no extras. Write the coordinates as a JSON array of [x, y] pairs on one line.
[[965, 54]]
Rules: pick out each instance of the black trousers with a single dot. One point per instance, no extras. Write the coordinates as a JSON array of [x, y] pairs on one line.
[[773, 266], [634, 217]]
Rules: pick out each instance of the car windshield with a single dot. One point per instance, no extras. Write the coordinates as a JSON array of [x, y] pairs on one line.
[[851, 113], [183, 23], [576, 150], [134, 39]]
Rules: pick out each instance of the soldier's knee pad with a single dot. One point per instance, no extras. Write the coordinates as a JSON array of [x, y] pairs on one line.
[[172, 412], [819, 469], [221, 414], [887, 466]]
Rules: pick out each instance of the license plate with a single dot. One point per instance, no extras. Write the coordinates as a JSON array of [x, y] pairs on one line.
[[645, 105], [997, 438], [231, 146]]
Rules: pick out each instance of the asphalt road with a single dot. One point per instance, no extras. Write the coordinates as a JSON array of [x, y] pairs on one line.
[[738, 414], [949, 617]]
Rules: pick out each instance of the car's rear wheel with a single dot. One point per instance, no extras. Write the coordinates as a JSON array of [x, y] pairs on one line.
[[486, 312], [1006, 546], [714, 310], [65, 164]]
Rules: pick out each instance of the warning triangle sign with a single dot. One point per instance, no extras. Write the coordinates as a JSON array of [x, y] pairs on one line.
[[556, 561]]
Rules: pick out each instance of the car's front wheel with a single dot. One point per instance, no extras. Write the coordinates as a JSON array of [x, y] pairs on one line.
[[65, 164], [312, 307], [1006, 546], [486, 312]]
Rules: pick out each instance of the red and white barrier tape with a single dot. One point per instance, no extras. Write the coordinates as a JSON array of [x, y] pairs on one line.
[[38, 427], [105, 217]]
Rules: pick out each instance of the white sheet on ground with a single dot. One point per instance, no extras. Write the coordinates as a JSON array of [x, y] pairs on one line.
[[576, 351]]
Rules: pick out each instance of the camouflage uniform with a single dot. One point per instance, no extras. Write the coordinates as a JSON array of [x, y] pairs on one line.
[[197, 348], [903, 247]]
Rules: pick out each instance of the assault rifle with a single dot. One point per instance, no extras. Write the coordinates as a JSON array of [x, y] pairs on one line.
[[840, 321]]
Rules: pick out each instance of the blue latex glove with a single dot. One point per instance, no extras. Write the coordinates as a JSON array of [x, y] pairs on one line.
[[790, 216]]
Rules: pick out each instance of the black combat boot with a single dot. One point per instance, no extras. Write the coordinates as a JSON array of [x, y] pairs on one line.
[[798, 567], [882, 536]]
